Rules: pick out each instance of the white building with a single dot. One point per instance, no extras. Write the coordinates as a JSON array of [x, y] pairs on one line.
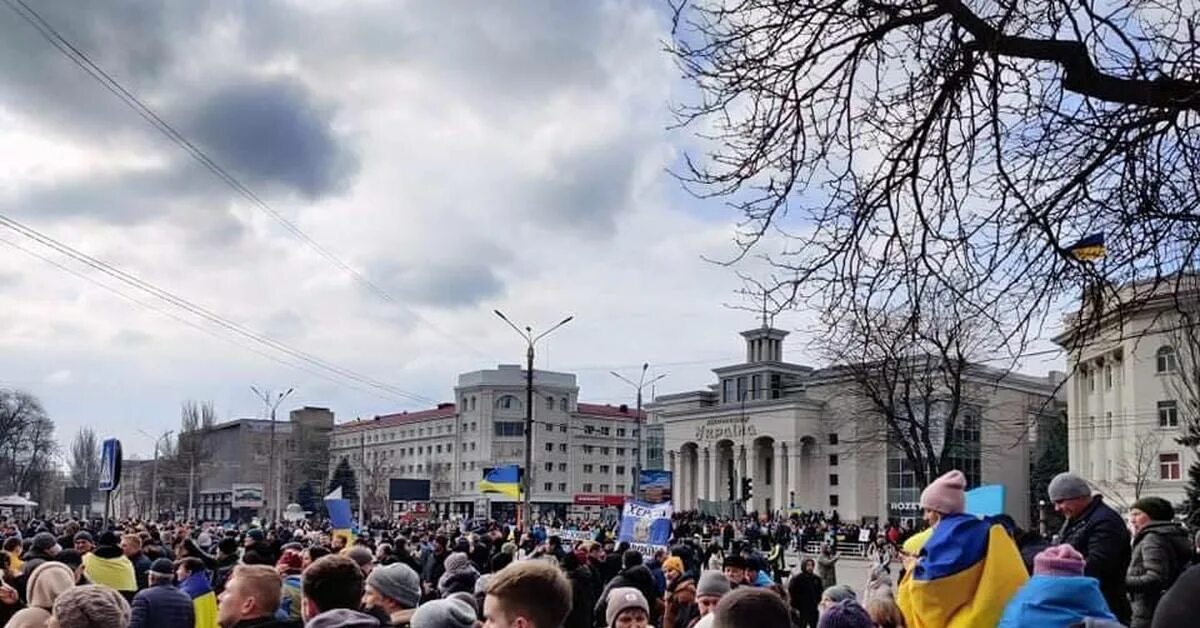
[[801, 433], [583, 454], [1127, 402]]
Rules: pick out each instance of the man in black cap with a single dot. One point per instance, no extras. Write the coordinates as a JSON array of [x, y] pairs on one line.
[[84, 542], [1095, 530], [735, 570], [162, 604]]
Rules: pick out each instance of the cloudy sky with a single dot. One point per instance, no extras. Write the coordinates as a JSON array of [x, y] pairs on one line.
[[459, 156]]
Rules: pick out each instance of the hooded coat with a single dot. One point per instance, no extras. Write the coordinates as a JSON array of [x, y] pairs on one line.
[[1161, 552], [46, 583]]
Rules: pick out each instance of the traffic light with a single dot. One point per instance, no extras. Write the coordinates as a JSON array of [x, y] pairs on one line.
[[747, 489]]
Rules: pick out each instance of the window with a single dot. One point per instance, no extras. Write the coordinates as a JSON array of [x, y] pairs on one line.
[[620, 489], [741, 388], [549, 427], [833, 479], [603, 488], [1168, 414], [727, 391], [620, 451], [562, 447], [1164, 360], [756, 386], [604, 431], [549, 446], [464, 466], [472, 445], [620, 469], [1168, 467], [1091, 378], [589, 429], [549, 466], [548, 486], [549, 403], [587, 449], [439, 449], [605, 468], [1108, 425], [621, 432], [1091, 427], [833, 460], [1107, 377], [587, 468], [833, 501], [509, 428], [472, 404], [776, 386], [562, 487], [833, 439], [562, 404], [508, 402], [604, 451], [562, 427], [562, 466], [587, 487]]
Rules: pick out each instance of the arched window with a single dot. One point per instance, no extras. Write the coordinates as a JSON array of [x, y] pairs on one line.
[[549, 403], [508, 402], [1165, 361], [562, 404], [464, 404], [472, 402]]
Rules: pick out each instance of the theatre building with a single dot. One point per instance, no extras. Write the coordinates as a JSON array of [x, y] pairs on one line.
[[798, 433]]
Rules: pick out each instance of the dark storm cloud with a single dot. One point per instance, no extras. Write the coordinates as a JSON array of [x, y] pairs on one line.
[[451, 284], [588, 188], [274, 133]]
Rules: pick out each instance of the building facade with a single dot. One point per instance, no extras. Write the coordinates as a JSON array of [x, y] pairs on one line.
[[1132, 390], [584, 454], [805, 440]]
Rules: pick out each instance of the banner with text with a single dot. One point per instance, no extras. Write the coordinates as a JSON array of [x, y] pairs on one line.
[[646, 523]]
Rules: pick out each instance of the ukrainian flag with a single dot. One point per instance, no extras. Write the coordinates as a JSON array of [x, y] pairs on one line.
[[967, 572], [340, 518], [1089, 248], [505, 480]]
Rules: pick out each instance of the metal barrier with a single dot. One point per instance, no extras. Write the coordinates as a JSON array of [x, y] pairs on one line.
[[844, 548]]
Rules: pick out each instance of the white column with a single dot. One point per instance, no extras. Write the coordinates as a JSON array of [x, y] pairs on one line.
[[760, 487], [674, 469], [779, 476], [705, 475]]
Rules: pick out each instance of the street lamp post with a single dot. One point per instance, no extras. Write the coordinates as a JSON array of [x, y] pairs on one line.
[[530, 340], [272, 404], [641, 383], [154, 473]]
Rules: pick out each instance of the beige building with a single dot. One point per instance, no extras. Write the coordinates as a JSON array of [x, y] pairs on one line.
[[1128, 399], [804, 439], [583, 454]]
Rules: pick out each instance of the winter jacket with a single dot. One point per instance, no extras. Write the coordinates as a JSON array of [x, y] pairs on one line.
[[1099, 533], [162, 606], [46, 583], [1161, 551], [804, 592], [1055, 601], [1178, 607], [342, 618], [583, 598], [141, 566], [224, 569], [827, 569], [681, 608], [639, 578]]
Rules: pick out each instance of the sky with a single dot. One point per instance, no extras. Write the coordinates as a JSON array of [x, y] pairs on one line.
[[459, 157]]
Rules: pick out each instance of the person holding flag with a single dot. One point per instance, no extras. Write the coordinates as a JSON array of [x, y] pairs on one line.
[[968, 569]]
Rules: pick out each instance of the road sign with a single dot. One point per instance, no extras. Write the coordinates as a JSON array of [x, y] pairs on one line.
[[110, 465]]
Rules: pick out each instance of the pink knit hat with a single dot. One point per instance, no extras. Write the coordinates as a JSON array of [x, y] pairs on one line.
[[946, 494], [1059, 560]]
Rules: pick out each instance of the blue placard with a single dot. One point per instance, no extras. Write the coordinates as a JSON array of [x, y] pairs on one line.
[[654, 486], [646, 523], [986, 501]]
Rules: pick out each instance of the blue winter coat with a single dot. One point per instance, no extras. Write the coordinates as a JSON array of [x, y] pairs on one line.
[[162, 606], [1055, 601]]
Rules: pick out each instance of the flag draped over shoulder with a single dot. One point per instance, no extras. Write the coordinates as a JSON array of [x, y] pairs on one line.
[[1089, 248], [968, 571], [504, 480]]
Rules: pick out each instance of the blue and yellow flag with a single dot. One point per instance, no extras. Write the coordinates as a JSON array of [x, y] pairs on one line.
[[341, 518], [1089, 248], [967, 572], [505, 480]]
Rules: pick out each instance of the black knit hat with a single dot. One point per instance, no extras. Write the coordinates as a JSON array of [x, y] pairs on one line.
[[1157, 508]]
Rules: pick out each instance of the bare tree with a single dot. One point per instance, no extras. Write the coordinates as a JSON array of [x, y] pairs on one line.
[[85, 458], [27, 444], [1135, 469], [377, 472], [967, 144], [192, 449]]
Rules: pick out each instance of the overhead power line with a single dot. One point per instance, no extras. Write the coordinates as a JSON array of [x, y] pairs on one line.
[[203, 313], [50, 34]]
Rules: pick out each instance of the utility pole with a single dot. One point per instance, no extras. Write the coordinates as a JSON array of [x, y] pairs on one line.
[[154, 472], [271, 403], [641, 383], [530, 340]]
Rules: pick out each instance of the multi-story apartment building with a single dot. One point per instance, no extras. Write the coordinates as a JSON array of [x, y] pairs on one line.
[[583, 454], [1133, 388]]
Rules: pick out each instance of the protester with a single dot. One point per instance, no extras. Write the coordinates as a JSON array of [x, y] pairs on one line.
[[460, 575], [289, 567], [804, 593], [1058, 594], [1161, 552], [680, 609], [395, 590], [884, 612], [1098, 533], [635, 575], [452, 612], [193, 581], [131, 546], [967, 570], [734, 568], [583, 591], [333, 589], [834, 595], [751, 608], [84, 542], [227, 559], [106, 564], [846, 614], [1177, 608], [162, 604], [533, 591], [827, 565], [626, 608], [90, 606], [46, 583], [251, 598], [712, 586]]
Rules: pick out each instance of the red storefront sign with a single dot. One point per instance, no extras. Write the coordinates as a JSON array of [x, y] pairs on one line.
[[598, 499]]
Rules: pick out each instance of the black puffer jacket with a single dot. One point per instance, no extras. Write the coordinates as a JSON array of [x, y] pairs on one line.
[[1099, 533], [1161, 552]]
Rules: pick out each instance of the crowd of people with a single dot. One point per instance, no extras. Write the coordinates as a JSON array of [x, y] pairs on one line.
[[960, 571]]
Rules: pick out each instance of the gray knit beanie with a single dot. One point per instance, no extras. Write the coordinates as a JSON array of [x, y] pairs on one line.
[[448, 613], [712, 582], [91, 606], [1068, 486], [398, 582], [839, 593]]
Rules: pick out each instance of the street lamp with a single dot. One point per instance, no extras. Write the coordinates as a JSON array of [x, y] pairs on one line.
[[530, 340], [154, 472], [272, 404], [641, 383]]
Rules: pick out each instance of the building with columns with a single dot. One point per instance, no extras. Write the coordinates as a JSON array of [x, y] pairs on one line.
[[797, 433]]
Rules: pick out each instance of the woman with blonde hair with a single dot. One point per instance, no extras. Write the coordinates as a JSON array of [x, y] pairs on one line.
[[884, 612]]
